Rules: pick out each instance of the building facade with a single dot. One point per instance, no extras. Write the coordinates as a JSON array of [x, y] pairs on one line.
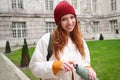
[[31, 19]]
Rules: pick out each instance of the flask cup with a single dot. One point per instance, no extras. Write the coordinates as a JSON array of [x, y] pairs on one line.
[[82, 72]]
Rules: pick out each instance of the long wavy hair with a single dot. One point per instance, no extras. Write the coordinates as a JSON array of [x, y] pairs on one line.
[[60, 39]]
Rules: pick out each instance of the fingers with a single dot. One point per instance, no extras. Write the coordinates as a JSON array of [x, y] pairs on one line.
[[67, 66], [71, 62], [92, 74]]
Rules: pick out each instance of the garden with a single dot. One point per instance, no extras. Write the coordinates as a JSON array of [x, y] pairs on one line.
[[105, 59]]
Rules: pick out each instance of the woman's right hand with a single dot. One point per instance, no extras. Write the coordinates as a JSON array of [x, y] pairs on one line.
[[67, 65]]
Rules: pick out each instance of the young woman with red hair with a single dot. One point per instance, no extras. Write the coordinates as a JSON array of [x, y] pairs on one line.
[[68, 48]]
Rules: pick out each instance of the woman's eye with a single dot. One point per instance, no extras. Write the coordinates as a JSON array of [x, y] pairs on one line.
[[63, 19], [72, 17]]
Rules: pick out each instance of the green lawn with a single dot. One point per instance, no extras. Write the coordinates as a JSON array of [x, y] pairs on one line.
[[105, 59], [15, 57]]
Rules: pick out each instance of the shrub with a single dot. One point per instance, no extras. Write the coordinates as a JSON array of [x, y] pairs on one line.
[[7, 47], [25, 58], [101, 37]]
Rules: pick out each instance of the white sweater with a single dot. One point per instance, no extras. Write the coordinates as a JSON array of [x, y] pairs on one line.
[[43, 69]]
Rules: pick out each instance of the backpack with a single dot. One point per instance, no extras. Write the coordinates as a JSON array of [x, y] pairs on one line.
[[49, 48]]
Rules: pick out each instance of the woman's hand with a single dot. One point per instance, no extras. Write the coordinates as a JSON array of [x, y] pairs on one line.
[[68, 65], [91, 73]]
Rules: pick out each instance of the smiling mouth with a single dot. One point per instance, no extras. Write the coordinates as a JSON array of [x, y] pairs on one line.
[[69, 27]]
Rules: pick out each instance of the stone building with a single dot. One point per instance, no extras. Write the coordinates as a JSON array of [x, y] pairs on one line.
[[30, 19]]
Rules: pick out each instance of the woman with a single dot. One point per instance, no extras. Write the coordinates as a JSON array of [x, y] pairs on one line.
[[68, 47]]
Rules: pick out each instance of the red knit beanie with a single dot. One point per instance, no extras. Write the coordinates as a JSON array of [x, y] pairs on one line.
[[62, 9]]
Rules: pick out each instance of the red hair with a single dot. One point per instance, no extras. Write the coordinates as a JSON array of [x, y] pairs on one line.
[[60, 40]]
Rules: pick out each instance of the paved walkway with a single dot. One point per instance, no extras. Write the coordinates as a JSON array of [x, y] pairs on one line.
[[8, 71]]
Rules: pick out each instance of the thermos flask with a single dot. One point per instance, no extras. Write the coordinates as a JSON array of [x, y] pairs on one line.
[[83, 72]]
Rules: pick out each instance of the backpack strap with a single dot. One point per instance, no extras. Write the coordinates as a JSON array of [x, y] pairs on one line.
[[49, 48]]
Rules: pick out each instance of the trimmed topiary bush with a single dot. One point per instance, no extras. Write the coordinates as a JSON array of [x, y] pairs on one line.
[[7, 47], [101, 37], [25, 58]]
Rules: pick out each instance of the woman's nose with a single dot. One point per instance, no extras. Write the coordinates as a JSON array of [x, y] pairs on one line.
[[69, 21]]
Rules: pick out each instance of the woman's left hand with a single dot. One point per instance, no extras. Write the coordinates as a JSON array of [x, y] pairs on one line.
[[91, 73]]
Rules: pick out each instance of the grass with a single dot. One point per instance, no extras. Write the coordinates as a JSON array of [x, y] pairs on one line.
[[15, 57], [105, 59]]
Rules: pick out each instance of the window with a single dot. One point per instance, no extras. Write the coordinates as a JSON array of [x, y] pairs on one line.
[[95, 26], [49, 5], [19, 29], [113, 5], [74, 3], [17, 4], [113, 25], [50, 26], [94, 5]]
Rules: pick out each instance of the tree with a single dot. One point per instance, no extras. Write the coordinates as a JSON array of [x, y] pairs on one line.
[[25, 58], [7, 48], [101, 37]]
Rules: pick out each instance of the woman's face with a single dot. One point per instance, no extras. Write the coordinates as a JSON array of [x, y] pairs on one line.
[[68, 22]]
